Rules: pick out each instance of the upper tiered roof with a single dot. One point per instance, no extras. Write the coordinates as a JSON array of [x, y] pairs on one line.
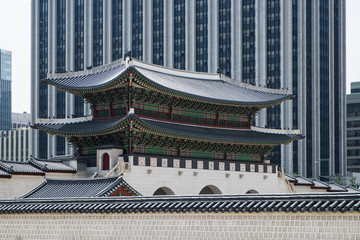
[[202, 87]]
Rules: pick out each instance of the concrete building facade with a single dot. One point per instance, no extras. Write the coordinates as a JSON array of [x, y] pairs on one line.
[[20, 120], [353, 128], [295, 45], [15, 145]]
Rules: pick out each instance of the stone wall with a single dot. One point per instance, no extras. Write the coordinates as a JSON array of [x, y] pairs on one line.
[[181, 226]]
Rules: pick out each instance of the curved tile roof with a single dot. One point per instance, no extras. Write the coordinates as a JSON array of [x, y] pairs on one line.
[[4, 174], [314, 183], [188, 131], [51, 165], [78, 128], [19, 168], [211, 87], [237, 135], [218, 88], [77, 188], [87, 80], [254, 203]]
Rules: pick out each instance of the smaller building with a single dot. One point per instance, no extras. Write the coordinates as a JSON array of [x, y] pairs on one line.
[[20, 120], [19, 178], [82, 188], [353, 128], [15, 144]]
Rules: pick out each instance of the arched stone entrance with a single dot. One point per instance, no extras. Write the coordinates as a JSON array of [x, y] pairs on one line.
[[252, 191], [164, 191], [210, 189]]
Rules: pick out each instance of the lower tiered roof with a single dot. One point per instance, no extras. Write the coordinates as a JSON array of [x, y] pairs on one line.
[[185, 131]]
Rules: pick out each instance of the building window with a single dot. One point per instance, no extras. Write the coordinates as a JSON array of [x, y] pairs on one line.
[[179, 34]]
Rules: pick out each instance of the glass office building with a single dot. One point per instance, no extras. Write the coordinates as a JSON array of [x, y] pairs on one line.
[[5, 90], [297, 45]]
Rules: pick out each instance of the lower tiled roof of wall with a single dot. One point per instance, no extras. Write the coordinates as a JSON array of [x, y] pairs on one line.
[[335, 202]]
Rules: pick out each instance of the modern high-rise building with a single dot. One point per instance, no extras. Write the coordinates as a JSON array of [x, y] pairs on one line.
[[20, 120], [353, 128], [5, 90], [15, 144], [297, 45]]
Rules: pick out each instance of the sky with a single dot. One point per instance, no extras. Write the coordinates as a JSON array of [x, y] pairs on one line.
[[15, 37]]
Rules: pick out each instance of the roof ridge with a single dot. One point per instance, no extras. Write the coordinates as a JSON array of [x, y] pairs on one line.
[[82, 179]]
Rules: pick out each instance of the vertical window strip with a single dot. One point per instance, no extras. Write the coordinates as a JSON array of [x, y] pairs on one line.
[[60, 53], [179, 34], [158, 32], [98, 33], [43, 69], [225, 37], [117, 29], [79, 51], [201, 35], [137, 29], [248, 41]]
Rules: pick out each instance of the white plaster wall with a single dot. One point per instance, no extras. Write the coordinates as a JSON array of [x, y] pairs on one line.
[[306, 189], [61, 175], [182, 181], [18, 185], [113, 154]]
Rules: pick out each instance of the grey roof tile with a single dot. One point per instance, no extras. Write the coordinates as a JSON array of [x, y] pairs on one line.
[[200, 85], [314, 183], [294, 203], [334, 187], [4, 174], [77, 188], [51, 165], [238, 135], [19, 168]]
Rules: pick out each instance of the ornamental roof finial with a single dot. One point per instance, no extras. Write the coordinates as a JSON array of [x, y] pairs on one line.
[[128, 59]]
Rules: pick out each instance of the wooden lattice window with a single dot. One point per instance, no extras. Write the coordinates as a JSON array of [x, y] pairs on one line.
[[140, 149], [185, 153], [178, 111], [163, 108], [218, 155], [170, 151], [231, 156], [139, 105], [223, 116]]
